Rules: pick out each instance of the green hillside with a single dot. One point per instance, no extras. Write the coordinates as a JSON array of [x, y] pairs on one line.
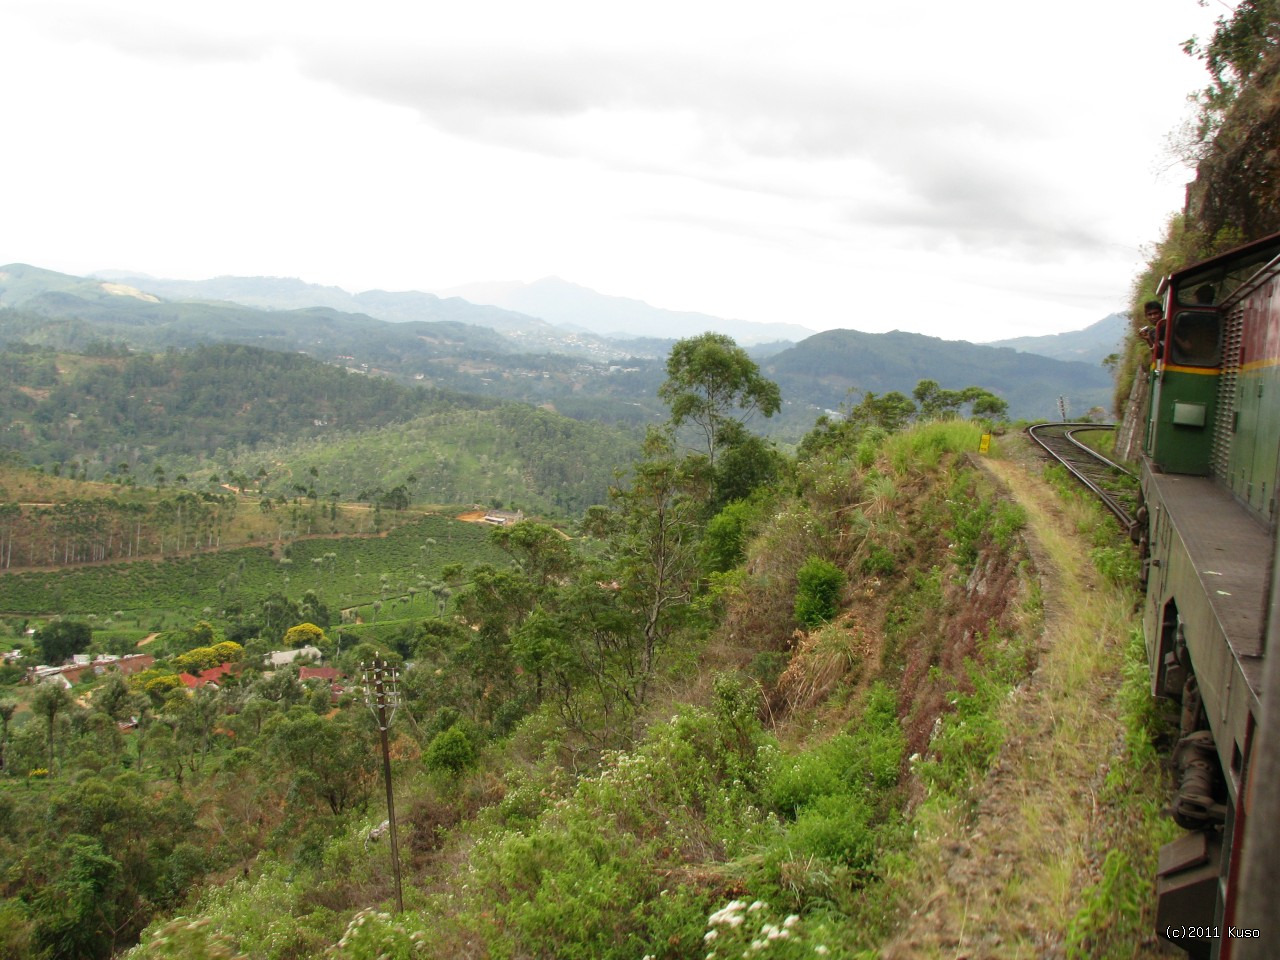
[[220, 411], [510, 455], [1091, 345]]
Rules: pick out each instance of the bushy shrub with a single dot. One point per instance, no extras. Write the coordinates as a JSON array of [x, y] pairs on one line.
[[184, 939], [880, 734], [845, 765], [835, 827], [878, 562], [372, 935], [970, 737], [818, 596], [1008, 521], [450, 752], [589, 877], [869, 448], [970, 518], [827, 769], [724, 540]]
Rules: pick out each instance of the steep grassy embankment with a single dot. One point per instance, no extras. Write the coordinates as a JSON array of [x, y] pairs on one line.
[[1056, 854]]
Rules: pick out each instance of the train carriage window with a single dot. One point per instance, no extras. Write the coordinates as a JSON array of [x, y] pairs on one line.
[[1195, 339], [1214, 284], [1199, 289]]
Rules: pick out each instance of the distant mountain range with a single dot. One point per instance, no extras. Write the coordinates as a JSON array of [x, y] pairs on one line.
[[554, 315], [569, 305], [497, 351], [523, 331], [1093, 344]]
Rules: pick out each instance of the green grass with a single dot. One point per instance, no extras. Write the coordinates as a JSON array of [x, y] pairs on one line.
[[920, 448]]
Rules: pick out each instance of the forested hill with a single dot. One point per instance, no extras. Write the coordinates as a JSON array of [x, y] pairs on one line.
[[189, 402], [533, 363], [69, 312], [226, 407], [826, 366]]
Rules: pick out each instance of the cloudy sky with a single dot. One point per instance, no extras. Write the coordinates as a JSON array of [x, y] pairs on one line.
[[966, 170]]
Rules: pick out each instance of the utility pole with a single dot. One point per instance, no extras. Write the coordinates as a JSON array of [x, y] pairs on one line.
[[382, 698]]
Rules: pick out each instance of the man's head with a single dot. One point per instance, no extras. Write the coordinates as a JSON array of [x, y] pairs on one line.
[[1153, 311]]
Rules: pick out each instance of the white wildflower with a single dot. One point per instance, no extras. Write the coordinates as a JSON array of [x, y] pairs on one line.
[[727, 914]]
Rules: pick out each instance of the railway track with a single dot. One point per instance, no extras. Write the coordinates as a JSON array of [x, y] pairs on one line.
[[1111, 483]]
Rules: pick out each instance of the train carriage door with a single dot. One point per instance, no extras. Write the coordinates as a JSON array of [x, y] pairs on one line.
[[1187, 400]]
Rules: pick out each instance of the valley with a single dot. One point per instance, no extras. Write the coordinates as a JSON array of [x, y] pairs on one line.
[[773, 676]]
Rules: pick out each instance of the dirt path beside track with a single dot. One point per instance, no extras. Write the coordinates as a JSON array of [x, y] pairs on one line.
[[1007, 881]]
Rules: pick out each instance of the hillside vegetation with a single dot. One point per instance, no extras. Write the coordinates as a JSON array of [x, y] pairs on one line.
[[810, 784], [259, 419], [825, 367]]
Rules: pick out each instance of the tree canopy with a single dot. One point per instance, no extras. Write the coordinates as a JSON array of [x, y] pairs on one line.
[[713, 383], [61, 639]]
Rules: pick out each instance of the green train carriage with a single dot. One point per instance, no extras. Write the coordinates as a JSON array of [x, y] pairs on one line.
[[1209, 479]]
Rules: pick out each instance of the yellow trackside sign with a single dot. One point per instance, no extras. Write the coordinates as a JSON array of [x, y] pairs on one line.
[[985, 445]]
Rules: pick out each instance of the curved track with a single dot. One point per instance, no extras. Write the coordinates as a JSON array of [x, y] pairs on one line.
[[1108, 481]]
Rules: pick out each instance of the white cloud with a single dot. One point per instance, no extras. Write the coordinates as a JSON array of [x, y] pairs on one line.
[[994, 160]]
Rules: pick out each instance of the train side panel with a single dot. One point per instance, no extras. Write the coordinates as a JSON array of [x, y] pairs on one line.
[[1255, 444]]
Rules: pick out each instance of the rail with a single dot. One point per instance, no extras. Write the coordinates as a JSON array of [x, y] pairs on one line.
[[1087, 465]]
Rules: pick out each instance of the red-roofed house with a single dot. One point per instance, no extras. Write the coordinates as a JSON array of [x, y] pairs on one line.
[[205, 678], [69, 675], [320, 673], [135, 663], [329, 675]]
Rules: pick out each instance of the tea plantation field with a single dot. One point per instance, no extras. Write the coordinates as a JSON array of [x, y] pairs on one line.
[[344, 572]]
